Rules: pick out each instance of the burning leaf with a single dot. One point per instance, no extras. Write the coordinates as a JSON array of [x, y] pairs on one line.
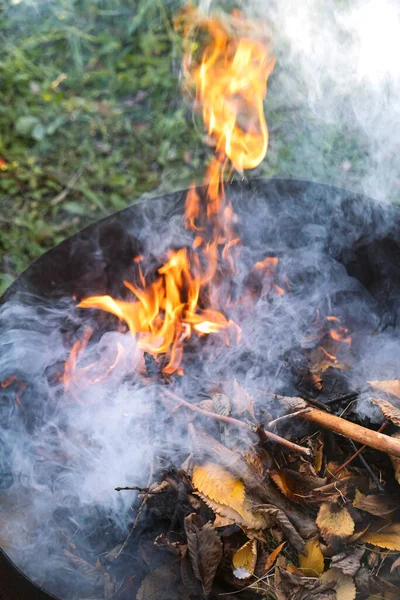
[[344, 584], [390, 412], [384, 535], [389, 387], [348, 562], [217, 484], [278, 517], [242, 401], [334, 522], [271, 558], [396, 461], [205, 550], [312, 561], [244, 560], [379, 505]]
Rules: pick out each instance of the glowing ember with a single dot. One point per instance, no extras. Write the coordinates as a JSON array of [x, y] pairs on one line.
[[230, 81]]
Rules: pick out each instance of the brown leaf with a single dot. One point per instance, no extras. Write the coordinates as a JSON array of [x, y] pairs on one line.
[[219, 485], [390, 412], [296, 486], [344, 584], [271, 558], [396, 461], [318, 452], [95, 576], [312, 561], [395, 565], [384, 535], [255, 461], [109, 586], [244, 560], [242, 401], [306, 588], [334, 522], [162, 584], [389, 386], [279, 518], [348, 562], [205, 550], [380, 505]]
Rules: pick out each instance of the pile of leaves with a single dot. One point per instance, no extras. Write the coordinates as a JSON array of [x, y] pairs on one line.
[[245, 518]]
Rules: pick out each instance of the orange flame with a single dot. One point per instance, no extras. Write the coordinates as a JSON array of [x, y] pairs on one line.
[[230, 80]]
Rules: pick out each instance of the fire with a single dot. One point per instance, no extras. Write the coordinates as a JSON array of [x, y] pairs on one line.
[[230, 81]]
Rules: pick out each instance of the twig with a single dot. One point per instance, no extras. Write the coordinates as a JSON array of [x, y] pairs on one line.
[[368, 468], [64, 193], [353, 456], [287, 417], [266, 436], [134, 487]]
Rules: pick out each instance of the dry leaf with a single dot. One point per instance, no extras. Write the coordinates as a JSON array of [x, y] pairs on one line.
[[384, 535], [271, 558], [389, 387], [242, 401], [255, 461], [94, 575], [162, 584], [396, 461], [205, 550], [318, 452], [344, 584], [390, 412], [206, 405], [306, 588], [376, 504], [312, 561], [244, 560], [221, 404], [244, 519], [334, 522], [271, 513], [395, 565], [348, 562], [222, 522], [294, 485], [217, 484]]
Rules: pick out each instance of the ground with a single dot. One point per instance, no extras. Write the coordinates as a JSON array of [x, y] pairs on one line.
[[92, 116]]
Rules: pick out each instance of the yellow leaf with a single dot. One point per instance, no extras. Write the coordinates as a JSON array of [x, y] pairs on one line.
[[219, 485], [344, 584], [312, 562], [245, 518], [244, 560], [384, 535], [222, 521], [334, 522], [271, 558], [391, 386], [318, 453]]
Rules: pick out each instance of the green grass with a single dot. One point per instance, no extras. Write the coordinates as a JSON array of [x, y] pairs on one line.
[[92, 116]]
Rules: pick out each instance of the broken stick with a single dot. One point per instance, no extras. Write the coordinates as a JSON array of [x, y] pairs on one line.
[[357, 433]]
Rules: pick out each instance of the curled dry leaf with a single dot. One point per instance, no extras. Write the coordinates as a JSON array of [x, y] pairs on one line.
[[334, 522], [242, 401], [344, 585], [306, 588], [312, 561], [217, 484], [383, 534], [391, 386], [205, 550], [348, 562], [380, 505], [390, 412], [244, 519], [278, 517], [271, 558], [294, 485], [244, 560], [396, 461]]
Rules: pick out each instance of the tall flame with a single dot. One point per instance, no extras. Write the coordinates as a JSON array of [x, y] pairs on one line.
[[230, 80]]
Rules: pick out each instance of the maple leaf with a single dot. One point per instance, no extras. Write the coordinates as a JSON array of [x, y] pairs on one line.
[[334, 522], [244, 560], [312, 560]]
